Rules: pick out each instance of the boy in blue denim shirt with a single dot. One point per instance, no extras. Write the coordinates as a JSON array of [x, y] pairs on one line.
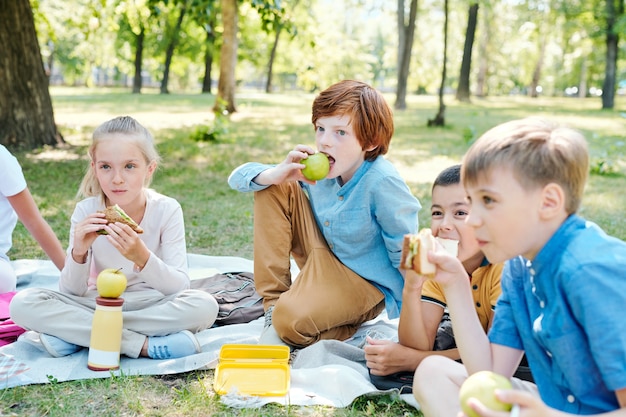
[[563, 286], [345, 231]]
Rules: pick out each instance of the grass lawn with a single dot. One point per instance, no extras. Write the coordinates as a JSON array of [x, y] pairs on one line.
[[219, 220]]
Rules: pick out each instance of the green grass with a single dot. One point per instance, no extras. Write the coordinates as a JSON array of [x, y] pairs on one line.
[[219, 220]]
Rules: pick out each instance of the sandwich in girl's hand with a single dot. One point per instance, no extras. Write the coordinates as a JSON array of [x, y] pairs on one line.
[[415, 251], [115, 214]]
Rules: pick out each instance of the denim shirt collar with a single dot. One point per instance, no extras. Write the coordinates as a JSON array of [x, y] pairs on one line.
[[553, 248], [348, 186]]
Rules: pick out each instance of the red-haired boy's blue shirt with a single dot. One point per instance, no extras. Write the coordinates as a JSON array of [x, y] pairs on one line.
[[363, 221]]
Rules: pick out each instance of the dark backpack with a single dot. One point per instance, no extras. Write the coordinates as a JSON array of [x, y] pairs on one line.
[[236, 295]]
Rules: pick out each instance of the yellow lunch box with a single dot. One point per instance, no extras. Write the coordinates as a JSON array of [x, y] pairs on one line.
[[253, 370]]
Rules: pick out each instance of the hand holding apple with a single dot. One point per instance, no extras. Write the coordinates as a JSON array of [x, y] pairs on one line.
[[111, 283], [317, 166], [482, 386]]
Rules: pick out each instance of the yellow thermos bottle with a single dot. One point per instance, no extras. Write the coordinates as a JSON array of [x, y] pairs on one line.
[[106, 335]]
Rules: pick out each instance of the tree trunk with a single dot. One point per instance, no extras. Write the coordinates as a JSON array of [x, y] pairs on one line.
[[612, 48], [270, 66], [138, 80], [463, 90], [170, 49], [50, 63], [582, 84], [208, 59], [483, 54], [225, 99], [440, 118], [26, 119], [405, 45], [534, 83]]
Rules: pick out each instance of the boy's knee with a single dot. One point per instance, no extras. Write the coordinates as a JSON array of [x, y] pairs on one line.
[[427, 371], [293, 327]]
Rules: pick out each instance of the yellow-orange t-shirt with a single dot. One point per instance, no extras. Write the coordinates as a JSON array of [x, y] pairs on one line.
[[485, 284]]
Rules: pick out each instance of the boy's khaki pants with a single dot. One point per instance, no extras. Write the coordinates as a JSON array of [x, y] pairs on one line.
[[327, 300]]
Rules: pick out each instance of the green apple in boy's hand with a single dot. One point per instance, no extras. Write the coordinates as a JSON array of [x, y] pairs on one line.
[[316, 167], [111, 283], [482, 386]]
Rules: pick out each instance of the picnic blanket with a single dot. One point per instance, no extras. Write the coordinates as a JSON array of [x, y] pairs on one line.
[[331, 373]]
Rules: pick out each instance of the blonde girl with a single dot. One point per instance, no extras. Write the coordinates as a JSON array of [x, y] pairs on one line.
[[161, 313]]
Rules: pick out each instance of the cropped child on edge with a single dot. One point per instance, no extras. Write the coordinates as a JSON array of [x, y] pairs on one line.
[[160, 311], [423, 301], [344, 232], [17, 202], [563, 289]]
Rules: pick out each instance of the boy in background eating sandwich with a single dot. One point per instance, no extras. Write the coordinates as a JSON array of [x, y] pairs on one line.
[[424, 328]]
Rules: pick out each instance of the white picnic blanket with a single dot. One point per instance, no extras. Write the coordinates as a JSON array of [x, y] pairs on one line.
[[328, 373]]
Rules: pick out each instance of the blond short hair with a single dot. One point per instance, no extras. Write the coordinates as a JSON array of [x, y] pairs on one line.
[[134, 132], [539, 152]]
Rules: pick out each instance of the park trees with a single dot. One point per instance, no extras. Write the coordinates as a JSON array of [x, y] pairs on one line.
[[614, 12], [463, 90], [135, 17], [27, 119], [225, 100], [181, 7], [440, 117], [272, 18], [522, 45], [406, 35], [204, 13]]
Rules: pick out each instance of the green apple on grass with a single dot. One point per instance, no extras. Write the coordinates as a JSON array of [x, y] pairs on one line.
[[111, 283], [482, 386], [316, 166]]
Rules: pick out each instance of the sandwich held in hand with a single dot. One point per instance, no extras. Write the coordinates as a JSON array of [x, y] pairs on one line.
[[415, 251], [482, 386], [317, 167], [115, 214]]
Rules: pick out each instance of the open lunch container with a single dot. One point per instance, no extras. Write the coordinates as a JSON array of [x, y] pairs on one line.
[[253, 370]]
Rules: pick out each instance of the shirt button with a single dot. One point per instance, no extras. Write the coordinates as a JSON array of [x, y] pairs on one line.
[[340, 198], [542, 304], [477, 304], [571, 398], [327, 223], [532, 271], [475, 287], [549, 353]]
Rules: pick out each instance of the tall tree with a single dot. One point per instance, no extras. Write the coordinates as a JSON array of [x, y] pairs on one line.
[[173, 41], [546, 20], [270, 11], [225, 99], [136, 16], [533, 90], [138, 79], [204, 13], [614, 10], [277, 21], [440, 118], [208, 56], [406, 32], [463, 90], [483, 52], [27, 118]]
